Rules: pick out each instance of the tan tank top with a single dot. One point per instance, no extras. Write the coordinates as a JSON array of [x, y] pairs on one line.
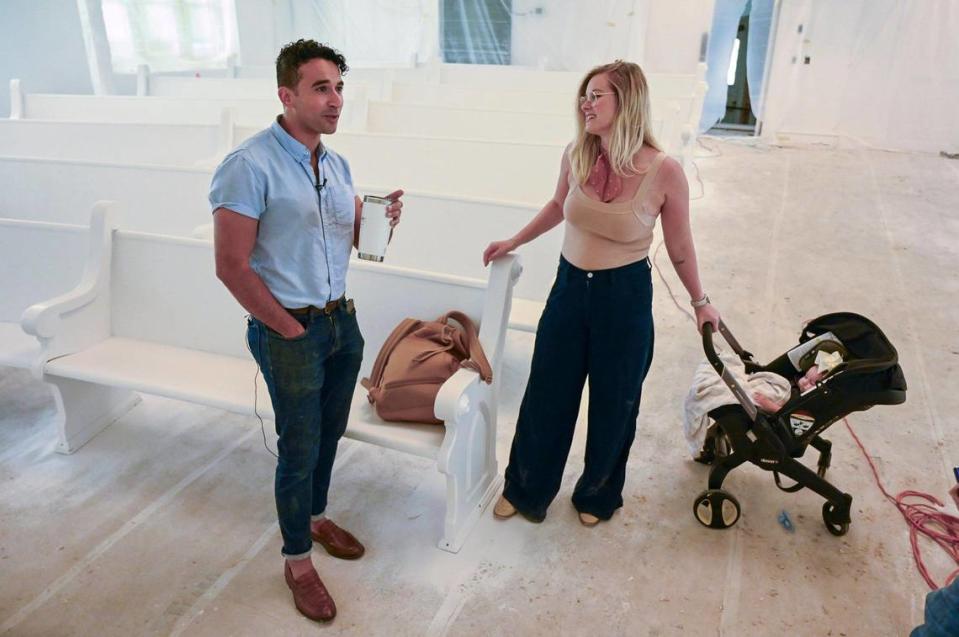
[[601, 235]]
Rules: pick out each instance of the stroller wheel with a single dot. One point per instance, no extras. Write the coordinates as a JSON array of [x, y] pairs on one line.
[[829, 517], [716, 509]]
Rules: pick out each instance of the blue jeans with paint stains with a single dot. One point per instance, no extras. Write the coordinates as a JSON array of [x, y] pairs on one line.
[[311, 379]]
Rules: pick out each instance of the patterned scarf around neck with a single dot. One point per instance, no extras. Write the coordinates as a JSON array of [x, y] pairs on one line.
[[607, 184]]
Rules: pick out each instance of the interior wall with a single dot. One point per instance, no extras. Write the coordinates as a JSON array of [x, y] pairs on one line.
[[368, 32], [41, 43], [661, 35], [673, 34], [881, 72], [257, 27], [567, 35]]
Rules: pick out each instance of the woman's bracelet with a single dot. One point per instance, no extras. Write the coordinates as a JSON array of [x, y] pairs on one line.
[[701, 302]]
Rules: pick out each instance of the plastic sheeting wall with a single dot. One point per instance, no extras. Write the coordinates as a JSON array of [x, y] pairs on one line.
[[368, 32], [662, 35], [569, 35], [881, 72]]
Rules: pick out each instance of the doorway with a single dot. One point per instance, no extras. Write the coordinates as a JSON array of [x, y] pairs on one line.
[[740, 41], [739, 115]]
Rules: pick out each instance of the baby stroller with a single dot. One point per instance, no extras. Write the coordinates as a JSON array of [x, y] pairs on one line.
[[869, 375]]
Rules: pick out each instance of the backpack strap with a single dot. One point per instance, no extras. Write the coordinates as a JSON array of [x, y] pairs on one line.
[[477, 360], [406, 326]]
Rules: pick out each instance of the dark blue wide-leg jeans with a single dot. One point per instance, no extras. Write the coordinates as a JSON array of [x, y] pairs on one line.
[[311, 380], [596, 325]]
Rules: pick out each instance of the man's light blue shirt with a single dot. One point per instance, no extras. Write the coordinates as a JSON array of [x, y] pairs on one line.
[[305, 232]]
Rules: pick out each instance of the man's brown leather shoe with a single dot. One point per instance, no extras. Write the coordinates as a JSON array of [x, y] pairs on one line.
[[337, 542], [310, 596]]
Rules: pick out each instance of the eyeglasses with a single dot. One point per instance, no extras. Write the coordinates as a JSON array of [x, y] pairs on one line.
[[592, 96]]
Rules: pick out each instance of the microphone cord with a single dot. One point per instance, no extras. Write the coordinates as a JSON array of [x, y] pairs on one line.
[[256, 412]]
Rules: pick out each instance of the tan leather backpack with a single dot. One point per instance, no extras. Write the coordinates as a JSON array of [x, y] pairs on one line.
[[416, 359]]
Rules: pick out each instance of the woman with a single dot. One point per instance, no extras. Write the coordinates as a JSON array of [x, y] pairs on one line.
[[614, 181]]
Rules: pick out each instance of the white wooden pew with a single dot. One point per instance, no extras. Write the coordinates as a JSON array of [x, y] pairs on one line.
[[500, 171], [453, 122], [124, 134], [246, 111], [250, 88], [495, 76], [124, 142], [444, 121], [156, 199], [440, 233], [37, 260], [257, 81], [152, 317], [496, 170], [509, 78], [499, 76], [671, 115], [520, 98], [456, 96]]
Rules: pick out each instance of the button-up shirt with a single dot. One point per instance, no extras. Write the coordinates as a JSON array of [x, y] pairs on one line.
[[305, 232]]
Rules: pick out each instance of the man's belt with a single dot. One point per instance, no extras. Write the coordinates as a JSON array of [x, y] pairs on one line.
[[310, 310]]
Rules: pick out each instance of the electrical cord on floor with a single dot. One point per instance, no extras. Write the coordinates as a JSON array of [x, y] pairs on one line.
[[702, 186], [924, 517], [713, 152]]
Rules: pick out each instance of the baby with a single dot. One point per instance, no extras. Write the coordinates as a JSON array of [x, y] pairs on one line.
[[805, 383]]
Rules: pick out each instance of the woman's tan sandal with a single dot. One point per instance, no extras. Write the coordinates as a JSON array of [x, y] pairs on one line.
[[588, 519], [503, 509]]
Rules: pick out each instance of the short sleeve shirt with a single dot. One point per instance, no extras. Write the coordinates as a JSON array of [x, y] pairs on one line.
[[305, 232]]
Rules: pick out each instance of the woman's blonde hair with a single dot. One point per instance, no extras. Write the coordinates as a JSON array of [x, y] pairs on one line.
[[631, 123]]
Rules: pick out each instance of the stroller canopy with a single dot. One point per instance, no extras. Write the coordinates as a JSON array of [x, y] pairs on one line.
[[868, 347]]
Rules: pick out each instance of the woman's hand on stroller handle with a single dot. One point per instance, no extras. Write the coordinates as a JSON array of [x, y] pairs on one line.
[[707, 314]]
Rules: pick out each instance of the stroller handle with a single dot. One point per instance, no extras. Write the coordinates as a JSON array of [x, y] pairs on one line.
[[734, 385]]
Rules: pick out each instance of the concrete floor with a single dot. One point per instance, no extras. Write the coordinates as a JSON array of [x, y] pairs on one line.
[[164, 523]]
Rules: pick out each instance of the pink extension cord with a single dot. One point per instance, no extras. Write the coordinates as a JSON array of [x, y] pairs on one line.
[[922, 518]]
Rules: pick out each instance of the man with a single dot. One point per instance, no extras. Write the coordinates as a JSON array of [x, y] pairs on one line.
[[285, 220]]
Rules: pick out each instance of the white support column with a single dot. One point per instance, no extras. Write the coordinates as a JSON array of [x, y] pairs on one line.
[[638, 26], [231, 65], [143, 80], [227, 133], [16, 100], [97, 46]]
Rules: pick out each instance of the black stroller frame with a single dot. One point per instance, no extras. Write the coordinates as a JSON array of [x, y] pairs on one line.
[[869, 375]]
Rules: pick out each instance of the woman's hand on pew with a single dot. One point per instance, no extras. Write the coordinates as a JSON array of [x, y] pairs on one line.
[[498, 249]]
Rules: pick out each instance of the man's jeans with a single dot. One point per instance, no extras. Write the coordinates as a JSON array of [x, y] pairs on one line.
[[942, 613], [311, 380]]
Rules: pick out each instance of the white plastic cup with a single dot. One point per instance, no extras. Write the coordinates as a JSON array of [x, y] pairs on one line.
[[374, 228]]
